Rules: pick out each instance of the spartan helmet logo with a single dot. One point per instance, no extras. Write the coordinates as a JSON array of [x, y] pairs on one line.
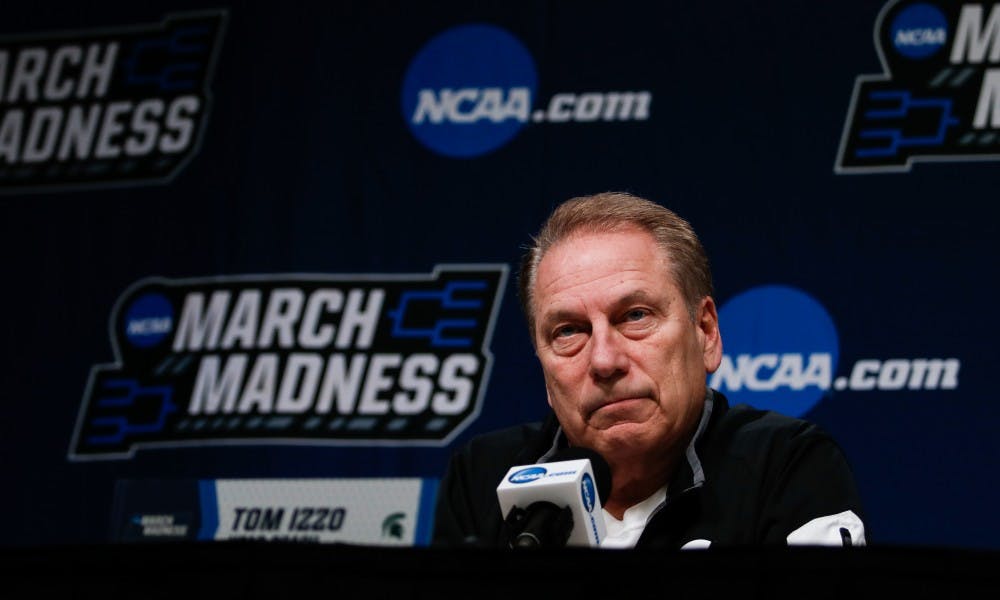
[[392, 525]]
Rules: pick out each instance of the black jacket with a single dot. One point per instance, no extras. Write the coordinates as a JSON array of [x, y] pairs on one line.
[[750, 477]]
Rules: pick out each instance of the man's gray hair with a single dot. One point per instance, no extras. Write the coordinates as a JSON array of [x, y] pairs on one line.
[[611, 212]]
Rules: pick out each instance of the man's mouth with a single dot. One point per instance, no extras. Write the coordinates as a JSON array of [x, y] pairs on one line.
[[616, 402]]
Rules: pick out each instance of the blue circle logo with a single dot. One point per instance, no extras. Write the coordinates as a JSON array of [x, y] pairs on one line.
[[527, 475], [588, 492], [919, 31], [780, 350], [469, 90], [149, 320]]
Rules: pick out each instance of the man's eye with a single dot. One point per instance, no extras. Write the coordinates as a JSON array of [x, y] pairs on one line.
[[636, 314], [566, 331]]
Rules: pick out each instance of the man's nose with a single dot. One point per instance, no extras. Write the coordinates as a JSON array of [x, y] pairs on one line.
[[607, 353]]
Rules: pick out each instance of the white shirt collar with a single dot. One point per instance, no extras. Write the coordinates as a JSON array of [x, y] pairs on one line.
[[625, 533]]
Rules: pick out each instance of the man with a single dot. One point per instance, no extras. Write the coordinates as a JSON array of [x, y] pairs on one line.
[[618, 295]]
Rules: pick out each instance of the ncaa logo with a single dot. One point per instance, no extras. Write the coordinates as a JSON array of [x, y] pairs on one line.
[[149, 320], [469, 90], [588, 493], [780, 350], [527, 475], [919, 31]]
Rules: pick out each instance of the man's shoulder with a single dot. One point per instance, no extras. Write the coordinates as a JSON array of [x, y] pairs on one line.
[[749, 443], [752, 419], [745, 427]]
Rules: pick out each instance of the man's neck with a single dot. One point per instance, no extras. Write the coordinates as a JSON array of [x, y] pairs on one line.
[[632, 483]]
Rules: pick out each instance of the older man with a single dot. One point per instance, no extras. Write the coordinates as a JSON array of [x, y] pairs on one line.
[[617, 292]]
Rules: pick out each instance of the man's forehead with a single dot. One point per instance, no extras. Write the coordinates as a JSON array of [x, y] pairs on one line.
[[629, 294], [634, 247]]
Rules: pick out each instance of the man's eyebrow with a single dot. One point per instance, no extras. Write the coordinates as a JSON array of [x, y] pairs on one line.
[[559, 314], [635, 296], [639, 296]]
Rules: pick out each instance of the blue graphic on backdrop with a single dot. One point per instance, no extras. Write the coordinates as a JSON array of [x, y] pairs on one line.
[[472, 88], [448, 298], [919, 30], [938, 98], [469, 90], [149, 320], [781, 350], [122, 397]]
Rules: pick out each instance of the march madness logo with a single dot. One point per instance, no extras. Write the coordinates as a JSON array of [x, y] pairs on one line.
[[105, 107], [370, 359], [938, 98]]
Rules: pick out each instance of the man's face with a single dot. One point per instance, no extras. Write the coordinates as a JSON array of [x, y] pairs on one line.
[[624, 364]]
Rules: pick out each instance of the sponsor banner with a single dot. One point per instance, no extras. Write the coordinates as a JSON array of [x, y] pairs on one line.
[[938, 96], [293, 359], [105, 107], [391, 512], [782, 351]]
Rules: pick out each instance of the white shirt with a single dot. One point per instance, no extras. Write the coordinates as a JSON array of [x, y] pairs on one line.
[[625, 533]]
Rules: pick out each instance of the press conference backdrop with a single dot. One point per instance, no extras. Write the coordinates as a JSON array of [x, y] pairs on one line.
[[260, 257]]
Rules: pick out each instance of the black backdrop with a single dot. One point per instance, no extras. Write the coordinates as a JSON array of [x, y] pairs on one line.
[[304, 159]]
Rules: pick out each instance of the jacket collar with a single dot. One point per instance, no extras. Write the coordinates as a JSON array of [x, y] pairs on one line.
[[690, 473]]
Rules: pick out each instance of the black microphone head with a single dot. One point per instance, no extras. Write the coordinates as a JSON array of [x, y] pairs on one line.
[[601, 468]]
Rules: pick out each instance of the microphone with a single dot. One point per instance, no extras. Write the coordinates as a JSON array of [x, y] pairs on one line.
[[556, 503]]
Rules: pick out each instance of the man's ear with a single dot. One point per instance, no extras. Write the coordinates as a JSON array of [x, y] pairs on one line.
[[707, 322]]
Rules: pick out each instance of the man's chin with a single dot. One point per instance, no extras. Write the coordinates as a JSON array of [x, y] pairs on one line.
[[619, 441], [620, 436], [624, 413]]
